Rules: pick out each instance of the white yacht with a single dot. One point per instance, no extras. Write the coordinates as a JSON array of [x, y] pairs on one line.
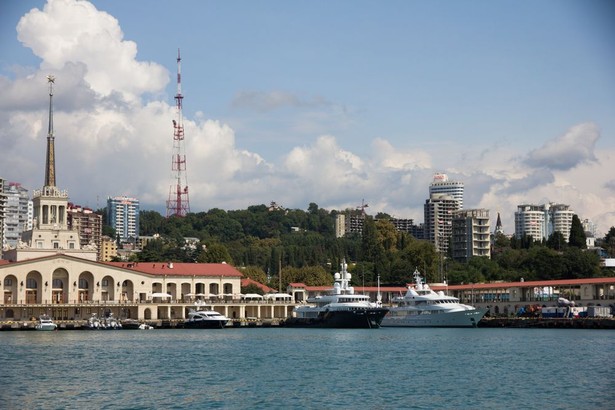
[[341, 308], [45, 323], [205, 319], [422, 307]]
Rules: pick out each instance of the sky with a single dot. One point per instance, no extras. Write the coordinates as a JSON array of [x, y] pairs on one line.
[[330, 102]]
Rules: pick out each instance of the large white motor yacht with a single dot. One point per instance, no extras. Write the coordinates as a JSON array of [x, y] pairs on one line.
[[341, 308], [422, 307]]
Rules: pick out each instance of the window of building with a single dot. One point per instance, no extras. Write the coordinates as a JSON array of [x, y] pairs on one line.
[[8, 282]]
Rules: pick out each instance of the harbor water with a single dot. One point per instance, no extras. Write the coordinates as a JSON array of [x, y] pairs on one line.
[[264, 368]]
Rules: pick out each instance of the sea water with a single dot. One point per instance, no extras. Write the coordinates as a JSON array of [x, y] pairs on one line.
[[271, 368]]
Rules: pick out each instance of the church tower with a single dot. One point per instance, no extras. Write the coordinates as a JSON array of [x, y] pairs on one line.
[[498, 226], [50, 233]]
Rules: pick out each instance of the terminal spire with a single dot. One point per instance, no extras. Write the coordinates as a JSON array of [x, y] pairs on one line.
[[50, 166]]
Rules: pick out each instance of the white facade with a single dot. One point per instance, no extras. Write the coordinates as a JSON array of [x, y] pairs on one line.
[[340, 225], [442, 185], [123, 216], [540, 221], [438, 211], [530, 220], [18, 213]]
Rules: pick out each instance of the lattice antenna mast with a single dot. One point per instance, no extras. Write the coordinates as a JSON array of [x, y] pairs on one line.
[[178, 203]]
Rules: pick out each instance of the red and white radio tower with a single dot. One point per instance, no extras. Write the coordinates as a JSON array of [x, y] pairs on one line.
[[178, 203]]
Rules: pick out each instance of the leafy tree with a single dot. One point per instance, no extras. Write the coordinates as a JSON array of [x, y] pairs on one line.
[[556, 241], [215, 253], [150, 223], [577, 234], [609, 242], [254, 273], [580, 264], [309, 275]]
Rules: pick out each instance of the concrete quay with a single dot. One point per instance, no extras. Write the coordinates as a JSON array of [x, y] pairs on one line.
[[548, 323], [157, 324]]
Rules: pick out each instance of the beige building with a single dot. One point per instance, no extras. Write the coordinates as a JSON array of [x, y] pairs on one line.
[[108, 249], [471, 236], [71, 288]]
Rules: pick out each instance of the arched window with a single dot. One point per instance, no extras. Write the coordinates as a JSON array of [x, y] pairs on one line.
[[31, 283]]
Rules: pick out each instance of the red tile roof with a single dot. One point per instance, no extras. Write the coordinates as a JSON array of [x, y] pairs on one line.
[[529, 284], [179, 269], [249, 281]]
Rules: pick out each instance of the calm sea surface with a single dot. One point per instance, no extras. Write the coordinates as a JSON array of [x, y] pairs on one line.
[[310, 368]]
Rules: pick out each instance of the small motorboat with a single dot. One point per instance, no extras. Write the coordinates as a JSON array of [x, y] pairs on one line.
[[45, 323]]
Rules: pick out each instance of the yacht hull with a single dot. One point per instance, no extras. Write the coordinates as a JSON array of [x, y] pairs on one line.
[[46, 327], [205, 324], [342, 319], [402, 318]]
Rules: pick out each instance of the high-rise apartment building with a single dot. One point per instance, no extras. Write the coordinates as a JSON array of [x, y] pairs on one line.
[[18, 213], [438, 210], [442, 185], [89, 226], [540, 221], [471, 236], [340, 225], [353, 224], [123, 216]]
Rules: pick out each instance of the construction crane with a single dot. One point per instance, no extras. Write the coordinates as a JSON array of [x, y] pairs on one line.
[[362, 207]]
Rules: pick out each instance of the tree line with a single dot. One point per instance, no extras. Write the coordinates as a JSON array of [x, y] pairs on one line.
[[275, 245]]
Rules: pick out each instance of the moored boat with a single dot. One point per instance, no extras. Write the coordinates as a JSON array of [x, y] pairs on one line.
[[205, 319], [45, 323], [423, 307], [341, 308]]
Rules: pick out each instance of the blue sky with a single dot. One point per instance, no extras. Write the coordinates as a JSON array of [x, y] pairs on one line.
[[326, 102]]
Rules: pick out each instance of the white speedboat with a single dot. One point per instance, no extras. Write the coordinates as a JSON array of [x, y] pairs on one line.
[[205, 319], [341, 308], [422, 307], [93, 323], [111, 323], [45, 323]]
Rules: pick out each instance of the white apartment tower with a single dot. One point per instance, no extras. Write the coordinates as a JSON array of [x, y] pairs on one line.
[[540, 221], [442, 185], [438, 211], [123, 216], [18, 213]]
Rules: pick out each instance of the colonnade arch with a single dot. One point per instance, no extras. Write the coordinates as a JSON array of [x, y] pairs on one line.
[[34, 287], [59, 285], [85, 285], [107, 288], [10, 287]]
